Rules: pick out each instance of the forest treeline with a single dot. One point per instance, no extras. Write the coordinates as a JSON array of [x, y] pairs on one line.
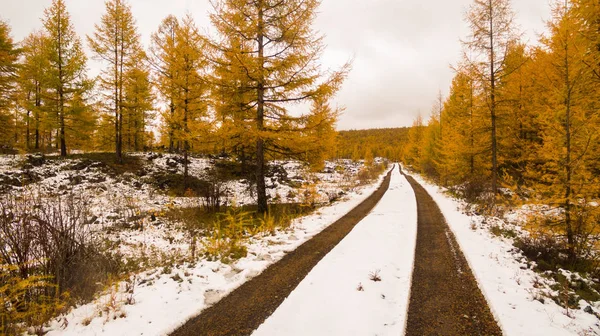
[[367, 144], [522, 122], [227, 93]]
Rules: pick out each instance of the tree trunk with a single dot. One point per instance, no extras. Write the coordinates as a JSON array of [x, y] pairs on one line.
[[185, 142], [568, 164], [28, 124], [493, 106], [117, 144], [171, 131], [261, 190], [37, 115], [61, 94]]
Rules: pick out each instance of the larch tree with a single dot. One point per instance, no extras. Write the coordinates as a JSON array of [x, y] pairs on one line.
[[465, 141], [66, 76], [492, 33], [116, 42], [232, 97], [138, 105], [280, 61], [181, 67], [414, 148], [9, 55], [32, 86], [519, 125], [192, 101], [163, 59], [567, 176]]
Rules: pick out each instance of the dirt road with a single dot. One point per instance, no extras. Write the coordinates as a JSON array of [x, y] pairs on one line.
[[444, 298], [243, 310]]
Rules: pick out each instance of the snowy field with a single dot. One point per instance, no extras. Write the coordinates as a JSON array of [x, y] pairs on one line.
[[339, 296], [114, 199], [164, 298], [512, 289]]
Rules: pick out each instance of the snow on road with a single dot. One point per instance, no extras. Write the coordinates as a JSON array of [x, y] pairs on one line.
[[508, 284], [328, 301]]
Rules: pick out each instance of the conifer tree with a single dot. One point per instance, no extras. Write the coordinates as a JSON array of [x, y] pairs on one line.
[[414, 148], [492, 33], [280, 63], [163, 59], [519, 125], [181, 68], [116, 42], [138, 105], [9, 55], [465, 140], [32, 87], [66, 76], [569, 116]]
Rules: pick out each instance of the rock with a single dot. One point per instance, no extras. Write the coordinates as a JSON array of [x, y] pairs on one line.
[[80, 165], [181, 160], [8, 180], [36, 160], [172, 163], [76, 179], [98, 164], [29, 176], [152, 156], [589, 310], [97, 179]]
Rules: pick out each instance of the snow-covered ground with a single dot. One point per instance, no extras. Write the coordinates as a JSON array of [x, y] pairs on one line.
[[511, 287], [113, 199], [338, 297], [164, 298]]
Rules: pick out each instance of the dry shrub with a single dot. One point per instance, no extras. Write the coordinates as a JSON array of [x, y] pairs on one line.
[[45, 243], [370, 173], [547, 244]]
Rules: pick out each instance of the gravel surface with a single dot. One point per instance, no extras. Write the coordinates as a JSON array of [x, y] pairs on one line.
[[444, 298], [243, 310]]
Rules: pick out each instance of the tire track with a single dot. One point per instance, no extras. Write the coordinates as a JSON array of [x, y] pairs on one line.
[[246, 308], [445, 298]]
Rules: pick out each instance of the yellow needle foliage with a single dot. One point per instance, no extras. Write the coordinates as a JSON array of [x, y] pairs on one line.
[[542, 142], [266, 54]]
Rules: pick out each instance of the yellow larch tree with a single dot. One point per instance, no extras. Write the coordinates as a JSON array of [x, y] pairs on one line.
[[280, 64], [9, 55], [163, 59], [138, 105], [32, 86], [492, 33], [66, 76], [116, 42], [518, 124], [568, 110]]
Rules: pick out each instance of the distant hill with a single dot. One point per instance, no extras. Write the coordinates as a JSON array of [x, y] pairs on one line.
[[382, 142]]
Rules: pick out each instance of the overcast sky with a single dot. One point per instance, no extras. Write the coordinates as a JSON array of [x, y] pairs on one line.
[[402, 49]]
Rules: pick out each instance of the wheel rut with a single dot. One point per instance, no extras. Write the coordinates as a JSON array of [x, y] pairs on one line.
[[246, 308], [444, 297]]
